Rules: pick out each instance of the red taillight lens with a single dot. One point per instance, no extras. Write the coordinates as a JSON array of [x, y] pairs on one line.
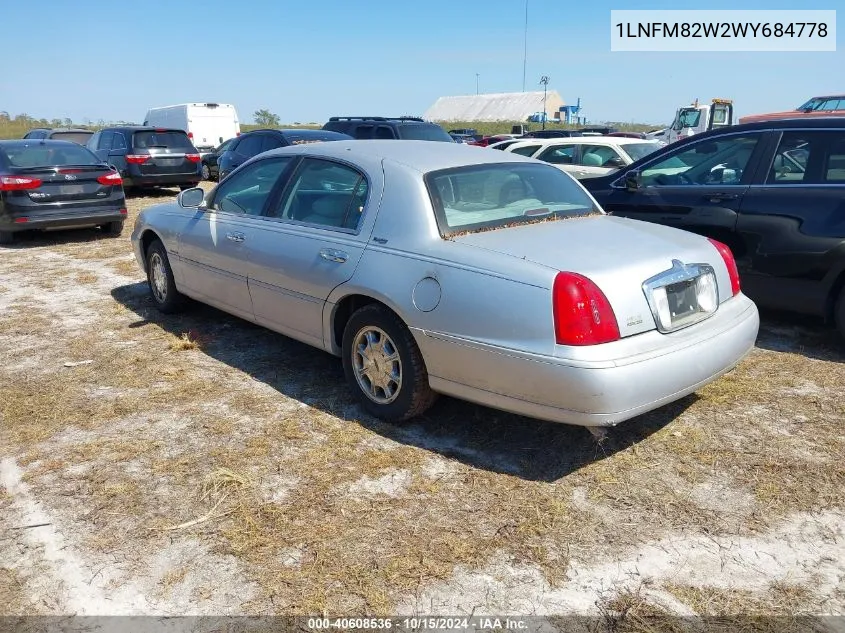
[[730, 263], [582, 313], [18, 183], [137, 159], [112, 178], [190, 135], [21, 220], [124, 212], [194, 158]]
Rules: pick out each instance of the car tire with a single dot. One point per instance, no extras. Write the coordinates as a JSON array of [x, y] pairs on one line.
[[400, 390], [113, 229], [206, 173], [839, 313], [6, 237], [160, 280]]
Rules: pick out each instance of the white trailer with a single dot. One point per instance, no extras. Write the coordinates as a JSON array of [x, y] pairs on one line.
[[207, 124]]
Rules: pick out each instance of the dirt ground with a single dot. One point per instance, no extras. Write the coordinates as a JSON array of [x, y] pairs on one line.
[[198, 464]]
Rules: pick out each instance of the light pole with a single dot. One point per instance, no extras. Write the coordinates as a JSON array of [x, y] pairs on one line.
[[545, 81], [476, 83], [525, 50]]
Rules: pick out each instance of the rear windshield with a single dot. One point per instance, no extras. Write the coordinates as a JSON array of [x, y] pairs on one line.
[[171, 139], [422, 132], [75, 137], [482, 197], [47, 155], [637, 150]]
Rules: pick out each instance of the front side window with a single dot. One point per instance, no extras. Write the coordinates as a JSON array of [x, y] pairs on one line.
[[600, 156], [105, 139], [325, 193], [688, 118], [709, 162], [558, 155], [246, 192], [484, 197]]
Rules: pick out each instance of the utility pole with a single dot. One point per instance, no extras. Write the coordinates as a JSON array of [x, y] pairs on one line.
[[545, 81], [525, 50], [476, 83]]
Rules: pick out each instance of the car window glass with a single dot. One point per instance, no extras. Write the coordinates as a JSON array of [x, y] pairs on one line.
[[719, 161], [834, 169], [250, 145], [364, 131], [789, 165], [270, 142], [118, 142], [384, 132], [105, 140], [559, 155], [599, 156], [527, 150], [325, 193], [247, 190]]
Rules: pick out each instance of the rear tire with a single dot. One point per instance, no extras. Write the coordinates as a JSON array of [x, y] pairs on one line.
[[160, 279], [114, 229], [384, 366], [6, 237], [839, 313]]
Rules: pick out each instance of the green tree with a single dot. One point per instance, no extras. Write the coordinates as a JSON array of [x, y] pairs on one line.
[[266, 118]]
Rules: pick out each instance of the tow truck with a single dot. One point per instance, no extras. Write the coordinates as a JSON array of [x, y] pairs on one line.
[[696, 118]]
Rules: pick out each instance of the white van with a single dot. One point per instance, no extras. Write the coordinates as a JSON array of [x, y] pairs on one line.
[[207, 124]]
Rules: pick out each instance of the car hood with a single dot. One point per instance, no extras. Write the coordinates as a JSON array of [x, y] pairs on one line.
[[618, 254]]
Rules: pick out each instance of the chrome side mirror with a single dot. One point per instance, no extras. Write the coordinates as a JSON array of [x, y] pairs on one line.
[[191, 198]]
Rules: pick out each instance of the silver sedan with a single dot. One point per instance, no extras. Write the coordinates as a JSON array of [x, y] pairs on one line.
[[435, 268]]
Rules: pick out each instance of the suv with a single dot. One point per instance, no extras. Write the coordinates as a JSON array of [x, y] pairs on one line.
[[148, 156], [773, 191], [377, 127], [551, 134], [253, 143], [60, 134]]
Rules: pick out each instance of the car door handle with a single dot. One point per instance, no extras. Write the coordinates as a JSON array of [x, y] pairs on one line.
[[235, 237], [719, 197], [333, 255]]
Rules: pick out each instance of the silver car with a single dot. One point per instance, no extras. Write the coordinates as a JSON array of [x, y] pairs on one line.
[[435, 268]]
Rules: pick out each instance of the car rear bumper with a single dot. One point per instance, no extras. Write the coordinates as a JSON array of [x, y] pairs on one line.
[[161, 180], [57, 219], [654, 370]]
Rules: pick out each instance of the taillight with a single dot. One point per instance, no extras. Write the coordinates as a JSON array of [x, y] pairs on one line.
[[111, 178], [582, 313], [137, 159], [190, 135], [18, 183], [194, 158], [124, 212], [730, 263]]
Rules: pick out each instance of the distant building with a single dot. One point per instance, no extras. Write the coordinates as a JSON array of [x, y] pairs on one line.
[[501, 106]]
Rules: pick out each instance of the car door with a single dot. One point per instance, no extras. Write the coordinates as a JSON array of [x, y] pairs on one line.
[[117, 150], [104, 145], [213, 245], [310, 245], [697, 187], [791, 226]]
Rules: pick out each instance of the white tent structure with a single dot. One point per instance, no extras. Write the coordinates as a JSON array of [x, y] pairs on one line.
[[501, 106]]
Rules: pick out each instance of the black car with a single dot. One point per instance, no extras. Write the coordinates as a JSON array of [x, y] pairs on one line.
[[61, 134], [253, 143], [56, 184], [551, 134], [773, 191], [148, 156], [210, 170], [405, 127]]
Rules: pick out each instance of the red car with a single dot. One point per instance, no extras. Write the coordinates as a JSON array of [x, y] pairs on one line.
[[815, 107]]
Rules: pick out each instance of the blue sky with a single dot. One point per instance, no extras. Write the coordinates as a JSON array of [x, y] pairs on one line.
[[308, 61]]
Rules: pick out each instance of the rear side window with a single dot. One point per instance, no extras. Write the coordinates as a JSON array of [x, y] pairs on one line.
[[808, 158], [384, 132], [559, 155], [527, 150], [105, 139], [170, 139], [25, 155], [75, 137], [271, 142], [423, 132], [250, 145]]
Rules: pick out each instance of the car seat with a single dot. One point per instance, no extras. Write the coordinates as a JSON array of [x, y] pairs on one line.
[[591, 160]]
